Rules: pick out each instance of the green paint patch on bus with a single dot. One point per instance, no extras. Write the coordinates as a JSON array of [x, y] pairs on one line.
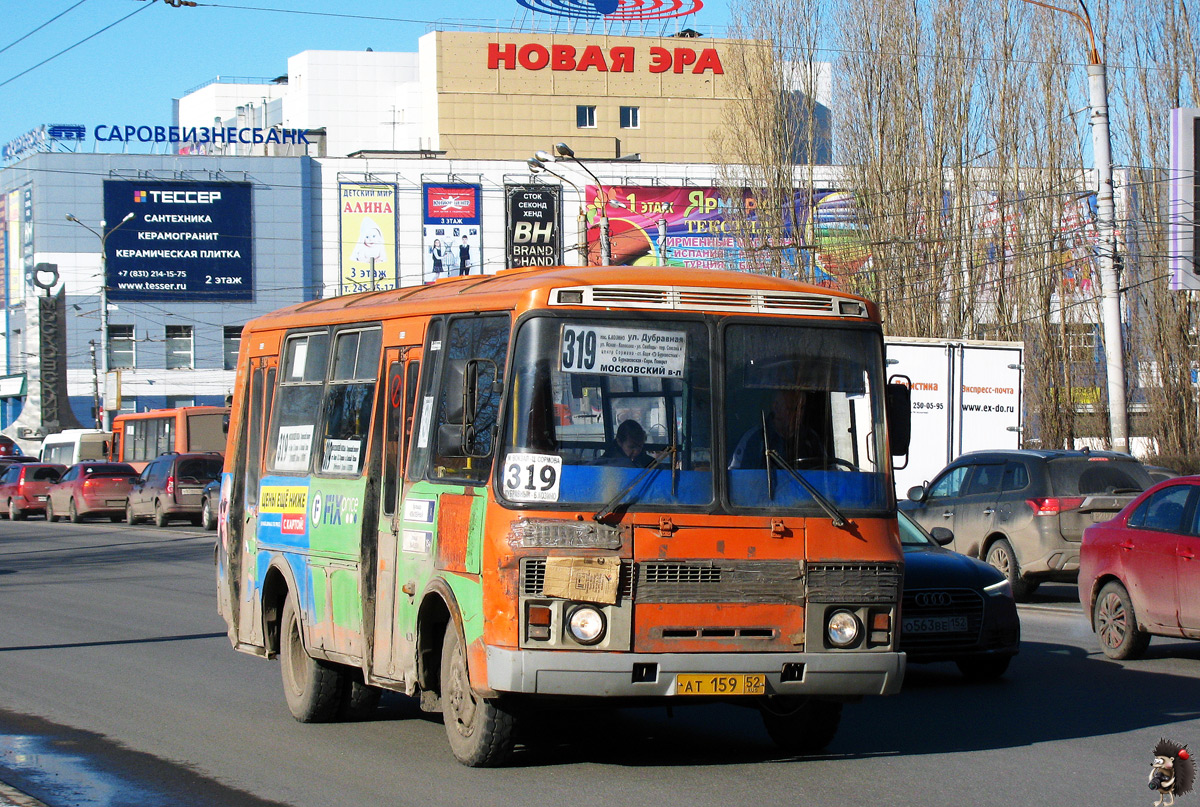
[[335, 514]]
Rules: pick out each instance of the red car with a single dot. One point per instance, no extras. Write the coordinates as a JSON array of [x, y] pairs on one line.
[[91, 489], [1139, 574], [24, 487]]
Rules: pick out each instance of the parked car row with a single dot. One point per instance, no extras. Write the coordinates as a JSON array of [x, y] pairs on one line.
[[171, 487], [1126, 533]]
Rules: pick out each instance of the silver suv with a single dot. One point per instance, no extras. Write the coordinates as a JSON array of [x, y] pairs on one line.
[[1025, 511]]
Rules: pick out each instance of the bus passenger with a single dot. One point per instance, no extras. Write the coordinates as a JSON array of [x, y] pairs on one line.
[[629, 447]]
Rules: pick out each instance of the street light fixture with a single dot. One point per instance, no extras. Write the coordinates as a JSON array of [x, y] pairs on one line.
[[102, 420], [1110, 300], [537, 165], [563, 150]]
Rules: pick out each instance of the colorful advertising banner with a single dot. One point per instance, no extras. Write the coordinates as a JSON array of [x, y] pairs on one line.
[[26, 237], [187, 242], [699, 227], [367, 214], [15, 273], [534, 232], [452, 235], [4, 245]]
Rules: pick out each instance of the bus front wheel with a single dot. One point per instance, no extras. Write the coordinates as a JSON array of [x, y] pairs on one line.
[[314, 689], [801, 725], [480, 731]]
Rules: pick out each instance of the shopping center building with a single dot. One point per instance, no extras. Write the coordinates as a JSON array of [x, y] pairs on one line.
[[353, 171]]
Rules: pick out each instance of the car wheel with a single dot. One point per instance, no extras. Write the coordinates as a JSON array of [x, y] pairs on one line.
[[208, 519], [983, 668], [50, 511], [129, 512], [15, 513], [160, 517], [314, 689], [480, 731], [1115, 623], [73, 512], [1001, 556], [800, 725]]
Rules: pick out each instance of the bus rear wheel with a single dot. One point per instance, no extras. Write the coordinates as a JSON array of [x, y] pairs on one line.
[[480, 730], [800, 725], [314, 689]]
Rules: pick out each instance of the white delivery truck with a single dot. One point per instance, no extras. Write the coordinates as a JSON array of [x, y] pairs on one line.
[[966, 396]]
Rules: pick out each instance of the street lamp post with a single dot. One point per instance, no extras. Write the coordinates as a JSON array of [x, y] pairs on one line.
[[102, 413], [563, 150], [1110, 299], [537, 164]]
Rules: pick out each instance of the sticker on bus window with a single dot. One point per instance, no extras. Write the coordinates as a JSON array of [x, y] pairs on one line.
[[299, 359], [417, 541], [294, 449], [426, 416], [623, 351], [532, 477], [341, 456]]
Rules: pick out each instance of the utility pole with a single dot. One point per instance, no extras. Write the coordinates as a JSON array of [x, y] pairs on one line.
[[103, 236], [1106, 226], [97, 407]]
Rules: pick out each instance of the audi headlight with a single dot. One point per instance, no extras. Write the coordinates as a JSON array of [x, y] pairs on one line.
[[586, 625], [843, 628], [1001, 589]]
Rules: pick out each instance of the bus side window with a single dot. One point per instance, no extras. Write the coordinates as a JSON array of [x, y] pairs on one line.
[[392, 434], [350, 401], [417, 461], [466, 440]]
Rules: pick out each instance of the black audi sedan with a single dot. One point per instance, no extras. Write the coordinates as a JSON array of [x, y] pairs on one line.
[[955, 608]]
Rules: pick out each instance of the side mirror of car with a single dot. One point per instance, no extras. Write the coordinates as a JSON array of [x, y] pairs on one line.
[[916, 493], [941, 535]]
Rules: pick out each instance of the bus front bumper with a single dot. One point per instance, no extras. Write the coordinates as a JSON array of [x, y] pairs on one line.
[[600, 674]]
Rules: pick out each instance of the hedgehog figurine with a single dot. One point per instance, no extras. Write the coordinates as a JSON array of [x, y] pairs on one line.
[[1173, 772]]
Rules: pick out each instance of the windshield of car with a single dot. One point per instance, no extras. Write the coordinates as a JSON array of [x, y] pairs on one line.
[[912, 536], [1084, 476], [813, 396], [596, 401]]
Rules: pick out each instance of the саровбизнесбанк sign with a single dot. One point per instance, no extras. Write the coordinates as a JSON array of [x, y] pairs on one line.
[[187, 242]]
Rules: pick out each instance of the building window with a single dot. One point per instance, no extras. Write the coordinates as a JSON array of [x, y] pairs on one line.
[[129, 403], [233, 341], [176, 401], [585, 117], [630, 119], [120, 346], [179, 347]]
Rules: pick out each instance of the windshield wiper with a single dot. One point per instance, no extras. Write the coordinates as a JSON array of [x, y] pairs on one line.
[[830, 509], [607, 509]]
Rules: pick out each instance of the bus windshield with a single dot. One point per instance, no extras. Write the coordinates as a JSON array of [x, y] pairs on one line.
[[598, 401], [605, 412], [804, 400]]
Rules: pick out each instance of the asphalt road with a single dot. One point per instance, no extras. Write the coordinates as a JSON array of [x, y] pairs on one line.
[[118, 687]]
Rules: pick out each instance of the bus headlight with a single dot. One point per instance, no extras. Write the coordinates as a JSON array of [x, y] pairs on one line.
[[586, 625], [843, 628]]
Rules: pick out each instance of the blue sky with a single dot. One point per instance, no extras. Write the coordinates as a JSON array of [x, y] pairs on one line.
[[129, 73]]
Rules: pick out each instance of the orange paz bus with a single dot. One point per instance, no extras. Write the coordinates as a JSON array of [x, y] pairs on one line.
[[609, 485], [139, 437]]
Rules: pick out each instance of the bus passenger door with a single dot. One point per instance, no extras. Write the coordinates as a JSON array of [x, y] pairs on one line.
[[243, 519], [391, 645]]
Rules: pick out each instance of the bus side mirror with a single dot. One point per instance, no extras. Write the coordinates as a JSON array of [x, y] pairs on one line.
[[899, 416]]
